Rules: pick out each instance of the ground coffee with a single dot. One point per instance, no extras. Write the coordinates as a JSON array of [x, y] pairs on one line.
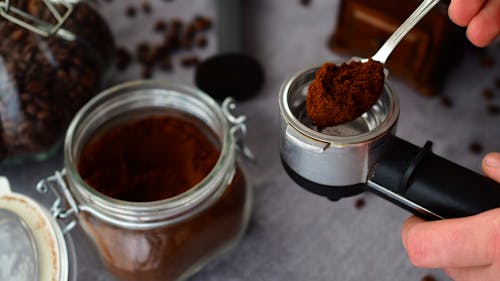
[[149, 159], [341, 93]]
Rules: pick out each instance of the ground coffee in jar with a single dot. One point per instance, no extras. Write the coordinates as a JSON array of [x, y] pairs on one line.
[[151, 168], [45, 79], [148, 159], [341, 93]]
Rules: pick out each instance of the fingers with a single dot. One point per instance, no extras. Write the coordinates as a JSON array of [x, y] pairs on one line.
[[463, 242], [482, 18], [483, 273], [461, 12], [485, 26], [491, 166]]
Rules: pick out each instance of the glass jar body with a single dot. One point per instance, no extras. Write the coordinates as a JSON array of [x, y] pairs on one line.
[[174, 251], [167, 239], [45, 79]]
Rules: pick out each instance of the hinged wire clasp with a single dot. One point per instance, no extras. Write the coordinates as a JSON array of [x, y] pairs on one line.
[[238, 128], [62, 209], [37, 25]]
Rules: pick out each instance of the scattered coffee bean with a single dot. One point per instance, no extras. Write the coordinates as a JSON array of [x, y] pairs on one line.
[[142, 52], [201, 41], [202, 23], [179, 36], [147, 72], [359, 203], [165, 64], [160, 26], [190, 61], [177, 24], [131, 11], [475, 147], [446, 102], [487, 61], [488, 94], [494, 109], [146, 7], [497, 82], [428, 277], [123, 58], [305, 2]]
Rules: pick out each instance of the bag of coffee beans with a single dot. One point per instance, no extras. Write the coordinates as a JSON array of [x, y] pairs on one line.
[[46, 78]]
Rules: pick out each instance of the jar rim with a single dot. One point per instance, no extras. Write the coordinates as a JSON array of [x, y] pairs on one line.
[[168, 205]]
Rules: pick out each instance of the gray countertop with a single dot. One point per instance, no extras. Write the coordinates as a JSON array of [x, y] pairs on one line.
[[295, 235]]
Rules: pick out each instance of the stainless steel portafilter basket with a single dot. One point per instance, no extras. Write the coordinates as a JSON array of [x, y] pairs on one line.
[[365, 154]]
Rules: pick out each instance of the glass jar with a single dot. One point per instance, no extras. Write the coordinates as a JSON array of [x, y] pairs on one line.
[[32, 246], [167, 239], [53, 56]]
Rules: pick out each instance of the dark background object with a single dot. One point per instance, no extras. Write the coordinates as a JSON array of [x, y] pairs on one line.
[[423, 58], [231, 72], [235, 74]]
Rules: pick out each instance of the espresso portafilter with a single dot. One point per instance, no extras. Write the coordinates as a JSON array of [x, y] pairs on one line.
[[366, 155]]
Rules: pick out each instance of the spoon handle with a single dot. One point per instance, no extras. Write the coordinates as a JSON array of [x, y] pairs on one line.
[[389, 45]]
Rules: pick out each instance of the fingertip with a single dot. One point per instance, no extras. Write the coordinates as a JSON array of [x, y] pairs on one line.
[[484, 26], [458, 15], [408, 225], [491, 165], [479, 35]]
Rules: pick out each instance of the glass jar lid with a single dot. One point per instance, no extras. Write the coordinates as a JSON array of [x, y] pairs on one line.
[[32, 246]]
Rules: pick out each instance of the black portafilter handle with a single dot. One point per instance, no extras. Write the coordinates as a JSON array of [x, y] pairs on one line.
[[431, 186]]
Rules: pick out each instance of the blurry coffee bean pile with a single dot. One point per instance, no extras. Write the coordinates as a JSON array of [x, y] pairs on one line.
[[180, 38], [45, 80]]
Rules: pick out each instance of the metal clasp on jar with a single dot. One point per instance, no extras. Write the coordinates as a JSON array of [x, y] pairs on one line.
[[66, 210], [238, 128], [40, 26]]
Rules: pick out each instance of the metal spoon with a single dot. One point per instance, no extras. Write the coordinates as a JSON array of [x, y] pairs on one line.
[[391, 43]]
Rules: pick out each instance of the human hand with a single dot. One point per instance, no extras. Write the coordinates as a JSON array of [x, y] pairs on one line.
[[482, 18], [467, 249]]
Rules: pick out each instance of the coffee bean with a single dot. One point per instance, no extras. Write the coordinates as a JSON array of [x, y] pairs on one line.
[[487, 61], [17, 35], [494, 109], [123, 58], [202, 23], [34, 87], [147, 72], [428, 278], [305, 2], [43, 115], [25, 97], [160, 26], [176, 24], [130, 11], [146, 7], [201, 42], [446, 102], [165, 64], [143, 52], [488, 94], [475, 147], [190, 61], [359, 203], [497, 82]]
